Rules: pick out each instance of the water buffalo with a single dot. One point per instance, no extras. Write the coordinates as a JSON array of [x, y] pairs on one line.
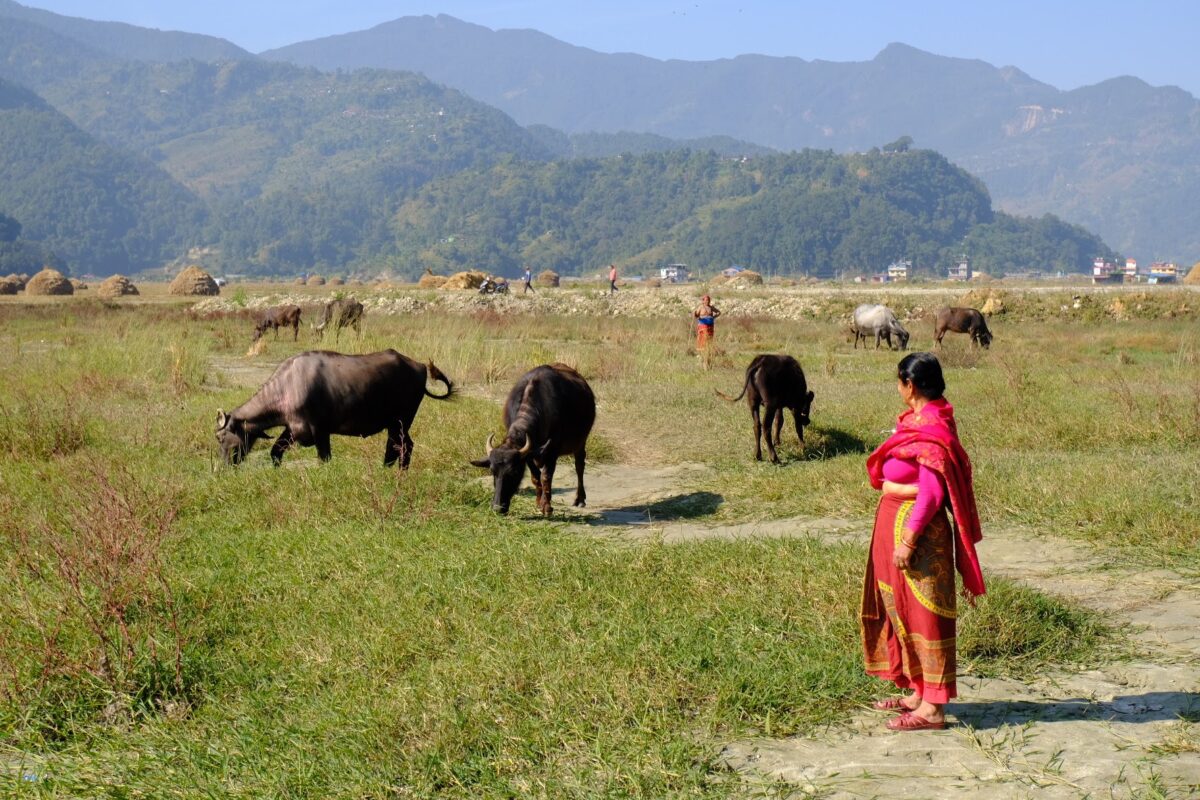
[[880, 322], [549, 413], [316, 394], [778, 383], [342, 313], [962, 320], [278, 317]]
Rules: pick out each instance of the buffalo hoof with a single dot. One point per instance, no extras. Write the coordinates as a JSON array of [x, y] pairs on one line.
[[579, 504]]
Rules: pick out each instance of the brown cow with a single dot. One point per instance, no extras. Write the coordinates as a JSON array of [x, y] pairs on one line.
[[777, 382], [962, 320], [278, 317], [346, 312]]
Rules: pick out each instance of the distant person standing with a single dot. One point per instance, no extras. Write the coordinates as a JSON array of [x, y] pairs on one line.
[[528, 278], [706, 319], [612, 278]]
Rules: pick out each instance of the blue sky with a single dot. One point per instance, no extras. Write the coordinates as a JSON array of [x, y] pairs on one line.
[[1067, 44]]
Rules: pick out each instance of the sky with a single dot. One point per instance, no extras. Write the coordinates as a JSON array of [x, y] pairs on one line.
[[1066, 43]]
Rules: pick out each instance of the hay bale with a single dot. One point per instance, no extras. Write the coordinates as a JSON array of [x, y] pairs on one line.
[[49, 281], [356, 282], [298, 281], [653, 283], [78, 285], [336, 282], [431, 281], [746, 277], [115, 286], [718, 280], [315, 280], [471, 279], [194, 282], [19, 280], [9, 285], [1193, 276], [548, 279]]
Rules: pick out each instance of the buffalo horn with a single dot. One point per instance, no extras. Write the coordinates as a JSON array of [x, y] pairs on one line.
[[524, 451], [488, 446]]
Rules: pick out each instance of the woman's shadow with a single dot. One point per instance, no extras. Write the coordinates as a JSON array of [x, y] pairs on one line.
[[1148, 707]]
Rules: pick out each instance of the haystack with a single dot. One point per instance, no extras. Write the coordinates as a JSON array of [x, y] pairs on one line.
[[19, 280], [316, 280], [1193, 277], [9, 285], [336, 282], [653, 283], [299, 281], [472, 279], [356, 282], [78, 285], [431, 281], [746, 277], [115, 286], [49, 281], [194, 281], [547, 278]]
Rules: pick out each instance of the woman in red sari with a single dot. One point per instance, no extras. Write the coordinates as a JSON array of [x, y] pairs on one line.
[[908, 606]]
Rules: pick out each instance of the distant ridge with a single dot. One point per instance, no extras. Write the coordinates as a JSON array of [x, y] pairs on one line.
[[128, 41]]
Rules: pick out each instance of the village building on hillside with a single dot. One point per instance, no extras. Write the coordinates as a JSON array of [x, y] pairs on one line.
[[1131, 270], [1106, 271], [675, 273], [1163, 272], [961, 271]]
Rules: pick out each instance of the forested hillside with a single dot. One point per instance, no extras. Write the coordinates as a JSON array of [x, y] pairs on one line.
[[811, 212], [101, 209]]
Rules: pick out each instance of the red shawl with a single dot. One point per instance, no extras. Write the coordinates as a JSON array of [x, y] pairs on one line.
[[931, 440]]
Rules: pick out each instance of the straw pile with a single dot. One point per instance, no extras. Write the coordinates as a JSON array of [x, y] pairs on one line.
[[336, 282], [746, 277], [49, 281], [547, 278], [471, 279], [19, 280], [193, 281], [431, 281], [316, 280], [299, 281], [653, 283], [1193, 277], [78, 285], [115, 286], [10, 285]]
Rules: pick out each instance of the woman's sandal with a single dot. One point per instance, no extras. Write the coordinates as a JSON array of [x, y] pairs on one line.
[[909, 721], [890, 704]]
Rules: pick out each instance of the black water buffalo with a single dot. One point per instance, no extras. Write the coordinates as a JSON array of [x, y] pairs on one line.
[[778, 383], [878, 321], [316, 394], [549, 413], [962, 320], [278, 317], [346, 312]]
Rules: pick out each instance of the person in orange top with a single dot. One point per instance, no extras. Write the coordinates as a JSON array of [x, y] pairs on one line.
[[612, 278], [706, 318]]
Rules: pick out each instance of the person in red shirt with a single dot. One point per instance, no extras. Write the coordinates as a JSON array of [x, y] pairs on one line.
[[612, 278]]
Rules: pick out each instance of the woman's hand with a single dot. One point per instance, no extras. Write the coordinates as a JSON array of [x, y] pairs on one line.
[[902, 556]]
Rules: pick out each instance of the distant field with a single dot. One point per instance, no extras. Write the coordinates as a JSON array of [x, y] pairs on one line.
[[178, 629]]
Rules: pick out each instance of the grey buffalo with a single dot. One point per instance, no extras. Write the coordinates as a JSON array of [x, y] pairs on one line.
[[880, 322], [317, 394]]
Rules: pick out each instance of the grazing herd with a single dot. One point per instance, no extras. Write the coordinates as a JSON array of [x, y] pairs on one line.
[[549, 412]]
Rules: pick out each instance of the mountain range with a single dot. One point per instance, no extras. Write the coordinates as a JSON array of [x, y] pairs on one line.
[[333, 158]]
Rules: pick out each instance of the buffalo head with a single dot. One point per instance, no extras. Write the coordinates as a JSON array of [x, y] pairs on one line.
[[985, 338], [802, 412], [507, 463], [902, 336], [234, 438]]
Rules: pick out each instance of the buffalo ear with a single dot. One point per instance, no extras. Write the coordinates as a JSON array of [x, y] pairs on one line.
[[484, 462], [811, 395]]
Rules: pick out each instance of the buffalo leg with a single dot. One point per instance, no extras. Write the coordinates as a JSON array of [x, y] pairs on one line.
[[770, 422], [399, 446], [799, 427], [580, 494], [937, 337], [547, 483], [296, 330], [535, 475], [322, 441], [757, 432], [282, 443], [779, 425]]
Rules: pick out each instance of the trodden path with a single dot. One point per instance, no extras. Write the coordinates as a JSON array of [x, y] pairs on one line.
[[1127, 729]]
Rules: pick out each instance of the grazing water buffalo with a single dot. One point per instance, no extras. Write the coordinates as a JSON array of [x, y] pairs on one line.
[[319, 393], [342, 313], [278, 317], [549, 413], [778, 383], [962, 320], [880, 322]]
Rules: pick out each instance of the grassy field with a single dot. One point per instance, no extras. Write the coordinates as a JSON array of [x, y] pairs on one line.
[[174, 629]]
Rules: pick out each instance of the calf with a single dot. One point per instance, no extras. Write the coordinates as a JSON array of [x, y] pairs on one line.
[[549, 413], [776, 382], [278, 317], [962, 320], [319, 393]]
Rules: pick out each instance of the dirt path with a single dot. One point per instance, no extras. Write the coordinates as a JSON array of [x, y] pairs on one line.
[[1116, 731]]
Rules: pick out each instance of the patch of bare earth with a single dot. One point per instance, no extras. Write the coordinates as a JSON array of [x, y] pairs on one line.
[[1126, 729]]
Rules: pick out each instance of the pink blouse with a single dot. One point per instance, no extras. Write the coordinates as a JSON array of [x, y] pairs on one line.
[[931, 490]]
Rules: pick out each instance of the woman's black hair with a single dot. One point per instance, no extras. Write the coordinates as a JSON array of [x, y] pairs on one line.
[[923, 371]]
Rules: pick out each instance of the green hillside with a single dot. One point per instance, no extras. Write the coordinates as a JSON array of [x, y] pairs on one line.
[[101, 209]]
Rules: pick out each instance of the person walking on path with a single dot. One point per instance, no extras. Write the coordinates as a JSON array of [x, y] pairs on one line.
[[908, 602], [706, 318], [528, 278], [612, 278]]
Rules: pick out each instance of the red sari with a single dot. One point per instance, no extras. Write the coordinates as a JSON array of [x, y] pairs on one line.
[[908, 617]]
